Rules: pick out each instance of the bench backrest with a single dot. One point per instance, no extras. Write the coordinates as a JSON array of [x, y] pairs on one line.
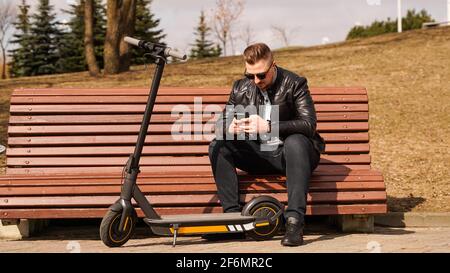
[[89, 131]]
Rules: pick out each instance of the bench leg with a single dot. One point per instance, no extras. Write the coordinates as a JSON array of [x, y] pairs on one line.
[[17, 229], [354, 223]]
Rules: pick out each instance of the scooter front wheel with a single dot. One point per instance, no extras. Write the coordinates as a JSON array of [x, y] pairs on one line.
[[109, 228]]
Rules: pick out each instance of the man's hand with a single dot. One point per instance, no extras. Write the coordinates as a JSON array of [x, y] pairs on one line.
[[235, 126], [254, 124]]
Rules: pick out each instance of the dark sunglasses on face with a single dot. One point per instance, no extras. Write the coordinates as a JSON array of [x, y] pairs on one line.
[[260, 76]]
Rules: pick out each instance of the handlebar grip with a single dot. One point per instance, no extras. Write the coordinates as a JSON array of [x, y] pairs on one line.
[[132, 41], [175, 53]]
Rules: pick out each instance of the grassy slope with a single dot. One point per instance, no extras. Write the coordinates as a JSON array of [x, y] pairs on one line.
[[408, 79]]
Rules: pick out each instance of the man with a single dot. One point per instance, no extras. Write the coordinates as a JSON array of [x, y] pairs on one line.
[[295, 153]]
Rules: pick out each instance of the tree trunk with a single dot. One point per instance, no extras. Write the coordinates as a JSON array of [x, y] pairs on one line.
[[112, 39], [128, 25], [120, 22], [224, 42], [89, 38], [233, 50], [3, 62]]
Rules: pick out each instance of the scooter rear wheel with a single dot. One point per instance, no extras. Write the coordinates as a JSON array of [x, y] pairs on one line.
[[264, 209], [109, 228]]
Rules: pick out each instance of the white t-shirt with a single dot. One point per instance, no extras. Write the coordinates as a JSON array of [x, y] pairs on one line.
[[266, 115]]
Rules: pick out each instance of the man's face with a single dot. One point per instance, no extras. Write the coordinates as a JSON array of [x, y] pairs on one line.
[[259, 67]]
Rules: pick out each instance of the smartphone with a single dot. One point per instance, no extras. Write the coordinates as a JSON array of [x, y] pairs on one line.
[[240, 115]]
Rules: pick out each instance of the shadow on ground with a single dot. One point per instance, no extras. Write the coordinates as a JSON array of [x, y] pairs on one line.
[[89, 230], [403, 204]]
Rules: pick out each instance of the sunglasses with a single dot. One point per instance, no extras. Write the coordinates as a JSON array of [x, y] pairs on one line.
[[260, 76]]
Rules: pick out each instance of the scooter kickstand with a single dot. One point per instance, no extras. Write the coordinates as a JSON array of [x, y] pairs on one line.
[[175, 232]]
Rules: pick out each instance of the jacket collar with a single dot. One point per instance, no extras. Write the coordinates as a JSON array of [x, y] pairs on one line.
[[276, 85]]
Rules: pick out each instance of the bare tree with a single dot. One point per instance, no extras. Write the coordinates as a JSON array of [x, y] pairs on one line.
[[89, 38], [224, 17], [283, 33], [119, 22], [231, 39], [7, 18], [247, 35]]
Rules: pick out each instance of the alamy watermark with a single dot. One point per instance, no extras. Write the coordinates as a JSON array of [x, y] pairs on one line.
[[205, 122], [373, 2], [73, 247], [374, 247]]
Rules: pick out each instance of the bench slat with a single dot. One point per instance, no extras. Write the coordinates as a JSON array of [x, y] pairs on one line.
[[158, 128], [222, 99], [160, 170], [175, 91], [52, 213], [244, 187], [9, 181], [155, 160], [158, 118], [184, 199], [153, 150], [152, 139], [159, 108]]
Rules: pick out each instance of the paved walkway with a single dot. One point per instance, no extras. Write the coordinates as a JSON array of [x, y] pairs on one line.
[[317, 239]]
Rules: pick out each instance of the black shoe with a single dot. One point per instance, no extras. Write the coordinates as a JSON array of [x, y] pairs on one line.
[[224, 236], [294, 233]]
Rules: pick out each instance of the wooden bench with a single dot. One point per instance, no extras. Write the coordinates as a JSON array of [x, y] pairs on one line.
[[67, 148]]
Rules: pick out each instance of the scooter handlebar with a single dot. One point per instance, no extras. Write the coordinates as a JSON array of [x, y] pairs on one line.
[[151, 46]]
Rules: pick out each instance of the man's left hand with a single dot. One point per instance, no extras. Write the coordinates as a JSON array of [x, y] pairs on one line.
[[255, 124]]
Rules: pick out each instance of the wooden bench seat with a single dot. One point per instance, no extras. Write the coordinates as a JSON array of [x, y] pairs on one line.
[[67, 148]]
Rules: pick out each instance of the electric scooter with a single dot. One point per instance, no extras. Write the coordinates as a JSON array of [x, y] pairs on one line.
[[260, 218]]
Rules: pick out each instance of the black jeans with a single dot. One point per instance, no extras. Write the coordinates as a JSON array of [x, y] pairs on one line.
[[296, 159]]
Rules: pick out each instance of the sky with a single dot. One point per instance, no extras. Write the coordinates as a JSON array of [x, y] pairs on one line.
[[307, 22]]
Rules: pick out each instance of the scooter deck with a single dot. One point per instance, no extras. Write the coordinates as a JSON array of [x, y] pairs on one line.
[[201, 219], [204, 223]]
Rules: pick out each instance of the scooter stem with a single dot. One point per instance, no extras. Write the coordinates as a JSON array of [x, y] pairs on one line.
[[132, 168], [160, 63]]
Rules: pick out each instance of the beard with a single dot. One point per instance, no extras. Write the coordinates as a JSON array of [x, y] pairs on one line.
[[262, 85]]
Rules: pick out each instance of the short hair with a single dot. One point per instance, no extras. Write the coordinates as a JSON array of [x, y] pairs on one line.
[[256, 52]]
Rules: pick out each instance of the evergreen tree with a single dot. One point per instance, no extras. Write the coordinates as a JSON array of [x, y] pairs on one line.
[[46, 39], [22, 55], [72, 54], [146, 29], [415, 20], [202, 47], [412, 20], [71, 48]]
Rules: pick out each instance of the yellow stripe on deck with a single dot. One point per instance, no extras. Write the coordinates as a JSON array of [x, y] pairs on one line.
[[200, 229]]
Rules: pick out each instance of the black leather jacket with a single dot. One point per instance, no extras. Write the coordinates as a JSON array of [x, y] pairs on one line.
[[296, 107]]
